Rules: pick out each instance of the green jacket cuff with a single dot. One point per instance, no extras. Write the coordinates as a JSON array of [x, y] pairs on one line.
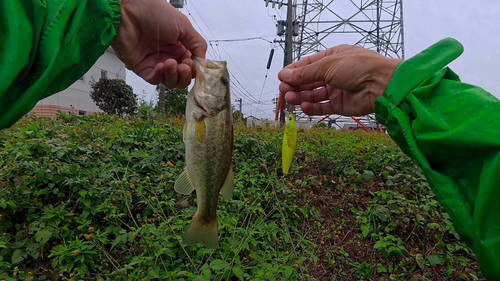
[[411, 73]]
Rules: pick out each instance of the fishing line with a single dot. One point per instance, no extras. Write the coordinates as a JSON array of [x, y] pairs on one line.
[[280, 208]]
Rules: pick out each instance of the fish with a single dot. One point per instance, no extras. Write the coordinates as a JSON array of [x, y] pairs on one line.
[[289, 142], [208, 137]]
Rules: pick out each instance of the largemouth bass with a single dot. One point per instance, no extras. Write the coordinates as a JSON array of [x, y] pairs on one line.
[[208, 137]]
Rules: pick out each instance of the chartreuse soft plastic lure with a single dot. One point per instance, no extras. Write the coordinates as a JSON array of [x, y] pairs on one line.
[[289, 142]]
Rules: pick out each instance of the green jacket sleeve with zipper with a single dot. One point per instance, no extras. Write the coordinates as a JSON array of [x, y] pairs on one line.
[[452, 130], [46, 46]]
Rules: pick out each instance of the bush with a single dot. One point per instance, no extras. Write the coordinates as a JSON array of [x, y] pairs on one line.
[[113, 96]]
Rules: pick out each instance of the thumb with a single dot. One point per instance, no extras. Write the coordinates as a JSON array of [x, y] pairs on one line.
[[314, 72], [194, 42]]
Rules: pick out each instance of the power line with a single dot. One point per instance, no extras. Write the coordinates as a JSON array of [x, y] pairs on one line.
[[236, 65], [244, 39]]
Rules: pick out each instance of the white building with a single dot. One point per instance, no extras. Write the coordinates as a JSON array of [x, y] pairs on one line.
[[76, 98]]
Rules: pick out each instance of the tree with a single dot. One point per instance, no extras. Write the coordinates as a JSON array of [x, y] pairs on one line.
[[113, 96], [175, 101]]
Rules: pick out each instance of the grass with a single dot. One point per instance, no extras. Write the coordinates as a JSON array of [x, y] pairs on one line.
[[91, 198]]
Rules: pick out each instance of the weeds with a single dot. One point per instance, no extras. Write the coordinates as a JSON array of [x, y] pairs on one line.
[[92, 197]]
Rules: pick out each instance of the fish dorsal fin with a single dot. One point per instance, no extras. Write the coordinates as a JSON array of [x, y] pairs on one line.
[[228, 187], [183, 184]]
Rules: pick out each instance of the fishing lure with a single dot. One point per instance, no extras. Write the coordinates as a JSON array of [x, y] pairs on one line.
[[289, 142]]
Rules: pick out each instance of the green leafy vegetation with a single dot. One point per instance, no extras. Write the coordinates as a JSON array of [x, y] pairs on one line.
[[91, 198], [113, 96]]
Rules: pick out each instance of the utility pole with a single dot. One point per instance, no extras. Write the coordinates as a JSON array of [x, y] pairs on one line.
[[288, 58], [161, 98], [289, 28], [241, 113]]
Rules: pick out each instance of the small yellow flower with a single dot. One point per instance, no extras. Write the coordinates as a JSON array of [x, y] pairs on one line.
[[143, 226], [76, 252], [170, 164], [91, 229], [287, 252], [322, 242], [135, 235]]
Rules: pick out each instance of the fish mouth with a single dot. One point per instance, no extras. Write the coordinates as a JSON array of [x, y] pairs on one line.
[[200, 106]]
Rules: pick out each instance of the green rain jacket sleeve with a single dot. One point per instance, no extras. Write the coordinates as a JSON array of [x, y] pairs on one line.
[[45, 46], [452, 130]]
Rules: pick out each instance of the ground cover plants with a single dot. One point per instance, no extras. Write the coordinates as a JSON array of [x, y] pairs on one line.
[[91, 198]]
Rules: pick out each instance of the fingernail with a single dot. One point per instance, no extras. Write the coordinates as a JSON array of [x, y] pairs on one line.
[[286, 74]]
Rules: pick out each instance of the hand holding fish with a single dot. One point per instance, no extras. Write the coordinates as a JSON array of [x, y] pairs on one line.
[[156, 42], [349, 77]]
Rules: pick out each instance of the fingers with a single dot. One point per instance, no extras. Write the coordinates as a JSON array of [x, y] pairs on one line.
[[193, 41], [285, 88], [171, 74], [312, 109], [314, 96], [340, 49], [308, 60], [313, 102], [313, 72]]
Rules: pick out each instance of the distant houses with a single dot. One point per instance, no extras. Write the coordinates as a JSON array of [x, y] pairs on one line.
[[76, 98]]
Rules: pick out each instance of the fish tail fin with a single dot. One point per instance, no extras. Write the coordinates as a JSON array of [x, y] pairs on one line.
[[202, 232]]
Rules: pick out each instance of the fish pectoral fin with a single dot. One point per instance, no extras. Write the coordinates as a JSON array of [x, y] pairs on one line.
[[183, 184], [228, 187]]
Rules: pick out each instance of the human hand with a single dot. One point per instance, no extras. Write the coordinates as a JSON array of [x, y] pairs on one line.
[[349, 78], [156, 42]]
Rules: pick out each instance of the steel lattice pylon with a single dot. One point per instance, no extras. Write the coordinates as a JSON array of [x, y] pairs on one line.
[[372, 24]]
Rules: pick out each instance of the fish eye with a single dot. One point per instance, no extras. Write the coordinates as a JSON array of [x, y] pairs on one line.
[[224, 80]]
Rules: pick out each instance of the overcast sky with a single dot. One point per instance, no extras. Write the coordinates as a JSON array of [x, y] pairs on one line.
[[476, 24]]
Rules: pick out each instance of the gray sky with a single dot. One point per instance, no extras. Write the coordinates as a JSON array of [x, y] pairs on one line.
[[473, 23]]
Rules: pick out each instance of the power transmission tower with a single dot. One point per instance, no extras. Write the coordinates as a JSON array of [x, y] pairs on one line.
[[372, 24]]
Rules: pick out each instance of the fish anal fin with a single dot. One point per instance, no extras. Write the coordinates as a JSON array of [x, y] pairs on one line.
[[228, 187], [183, 184], [202, 232]]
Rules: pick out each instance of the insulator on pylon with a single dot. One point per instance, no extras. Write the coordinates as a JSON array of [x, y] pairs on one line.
[[280, 28], [177, 3], [295, 28]]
